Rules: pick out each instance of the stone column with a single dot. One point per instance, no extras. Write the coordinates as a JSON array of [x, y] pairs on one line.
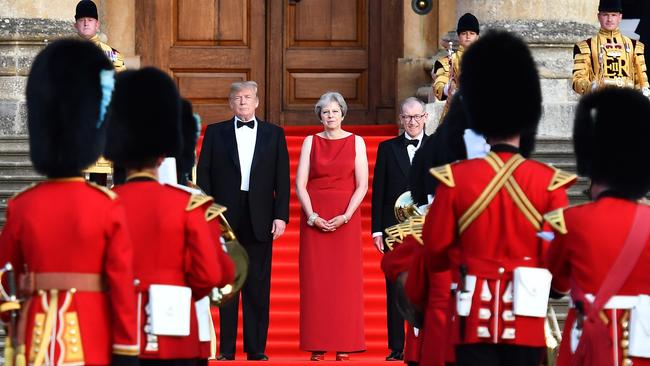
[[551, 28], [25, 27]]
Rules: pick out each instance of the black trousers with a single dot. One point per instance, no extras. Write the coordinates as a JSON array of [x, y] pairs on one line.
[[255, 294], [498, 355], [394, 319], [173, 362]]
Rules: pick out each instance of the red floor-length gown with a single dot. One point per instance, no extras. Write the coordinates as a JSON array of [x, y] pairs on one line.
[[331, 284]]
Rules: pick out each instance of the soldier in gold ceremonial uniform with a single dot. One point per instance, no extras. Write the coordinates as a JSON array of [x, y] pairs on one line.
[[446, 70], [609, 58], [87, 26]]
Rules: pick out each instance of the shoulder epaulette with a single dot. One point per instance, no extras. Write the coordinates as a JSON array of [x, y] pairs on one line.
[[24, 190], [560, 179], [639, 47], [556, 220], [444, 62], [443, 174], [214, 211], [583, 46], [416, 224], [197, 200], [438, 65], [112, 195]]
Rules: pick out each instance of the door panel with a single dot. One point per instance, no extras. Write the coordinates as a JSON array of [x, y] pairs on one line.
[[294, 50], [205, 45], [326, 49]]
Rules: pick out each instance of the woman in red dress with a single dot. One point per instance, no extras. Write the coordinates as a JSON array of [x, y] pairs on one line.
[[331, 181]]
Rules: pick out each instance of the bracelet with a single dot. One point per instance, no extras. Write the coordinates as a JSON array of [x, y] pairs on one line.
[[345, 218], [312, 218]]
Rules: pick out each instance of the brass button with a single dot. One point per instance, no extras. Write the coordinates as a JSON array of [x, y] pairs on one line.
[[72, 331], [75, 349], [625, 343], [72, 322], [73, 340], [501, 270], [37, 341]]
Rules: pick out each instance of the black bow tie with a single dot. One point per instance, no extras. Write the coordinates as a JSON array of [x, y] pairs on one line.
[[413, 142], [249, 124]]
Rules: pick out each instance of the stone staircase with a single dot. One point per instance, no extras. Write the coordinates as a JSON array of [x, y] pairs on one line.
[[16, 170]]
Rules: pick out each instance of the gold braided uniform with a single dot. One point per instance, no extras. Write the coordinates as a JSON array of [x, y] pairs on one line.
[[442, 73], [103, 166], [114, 55], [609, 59]]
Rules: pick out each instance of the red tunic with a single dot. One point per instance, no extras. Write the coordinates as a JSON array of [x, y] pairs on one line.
[[585, 251], [499, 239], [431, 290], [173, 245], [394, 263], [64, 226]]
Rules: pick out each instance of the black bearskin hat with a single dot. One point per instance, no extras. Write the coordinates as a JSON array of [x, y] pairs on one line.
[[86, 9], [144, 119], [610, 140], [64, 95], [468, 22], [190, 128], [500, 64], [613, 6]]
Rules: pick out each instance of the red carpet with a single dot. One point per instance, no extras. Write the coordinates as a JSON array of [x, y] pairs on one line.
[[283, 338]]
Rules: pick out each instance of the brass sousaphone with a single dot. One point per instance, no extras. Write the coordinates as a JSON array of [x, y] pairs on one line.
[[237, 253], [410, 219]]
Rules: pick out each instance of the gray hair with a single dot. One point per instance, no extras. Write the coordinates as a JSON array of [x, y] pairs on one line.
[[328, 98], [241, 85], [412, 100]]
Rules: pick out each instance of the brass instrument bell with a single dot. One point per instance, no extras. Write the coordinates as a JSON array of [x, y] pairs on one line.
[[238, 255]]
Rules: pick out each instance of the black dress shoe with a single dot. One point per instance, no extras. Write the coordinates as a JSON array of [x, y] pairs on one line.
[[257, 357], [395, 356], [223, 357]]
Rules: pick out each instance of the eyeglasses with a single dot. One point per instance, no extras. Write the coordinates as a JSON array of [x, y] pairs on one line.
[[408, 118]]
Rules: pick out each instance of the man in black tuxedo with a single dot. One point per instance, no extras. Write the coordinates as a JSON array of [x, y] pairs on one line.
[[390, 180], [244, 165]]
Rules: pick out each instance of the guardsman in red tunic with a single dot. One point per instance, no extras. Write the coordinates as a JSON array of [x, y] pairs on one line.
[[396, 265], [65, 237], [185, 163], [610, 138], [485, 219], [175, 252]]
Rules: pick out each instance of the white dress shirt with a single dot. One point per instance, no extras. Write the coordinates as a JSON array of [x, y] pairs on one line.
[[410, 149], [246, 138]]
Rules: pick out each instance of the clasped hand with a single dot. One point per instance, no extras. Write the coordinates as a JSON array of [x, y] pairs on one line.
[[329, 225]]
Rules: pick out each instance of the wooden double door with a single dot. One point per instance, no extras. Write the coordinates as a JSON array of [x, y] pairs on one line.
[[294, 49]]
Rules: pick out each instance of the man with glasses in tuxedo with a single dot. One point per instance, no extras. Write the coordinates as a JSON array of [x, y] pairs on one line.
[[390, 180]]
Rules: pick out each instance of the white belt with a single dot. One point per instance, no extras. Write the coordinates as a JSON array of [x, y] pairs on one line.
[[615, 302]]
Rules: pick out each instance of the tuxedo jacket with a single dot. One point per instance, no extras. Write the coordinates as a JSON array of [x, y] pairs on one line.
[[219, 175], [390, 180]]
